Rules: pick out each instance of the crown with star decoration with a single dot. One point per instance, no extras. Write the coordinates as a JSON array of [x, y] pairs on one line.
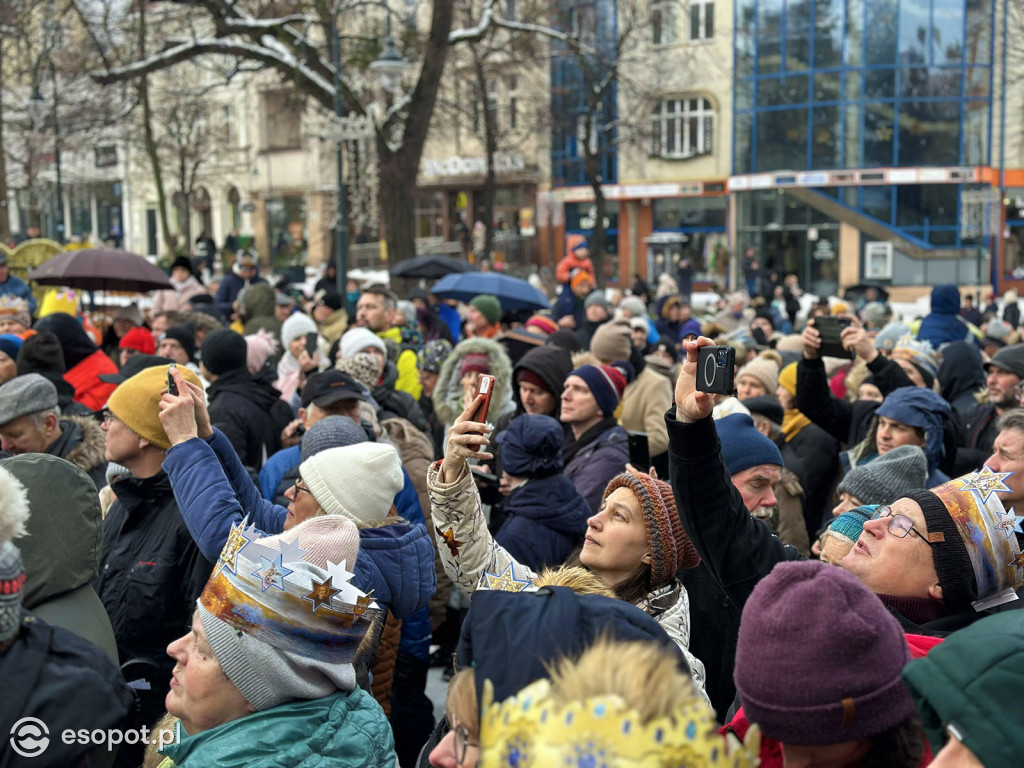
[[529, 730], [267, 587], [987, 529]]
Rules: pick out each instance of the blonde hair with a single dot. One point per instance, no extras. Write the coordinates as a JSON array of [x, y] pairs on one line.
[[644, 675], [461, 700], [578, 579]]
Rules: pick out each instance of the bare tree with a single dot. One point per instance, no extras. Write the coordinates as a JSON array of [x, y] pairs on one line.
[[294, 44]]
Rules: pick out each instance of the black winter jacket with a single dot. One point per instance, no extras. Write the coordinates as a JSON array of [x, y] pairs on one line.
[[251, 413], [979, 432], [55, 676], [818, 468], [151, 572]]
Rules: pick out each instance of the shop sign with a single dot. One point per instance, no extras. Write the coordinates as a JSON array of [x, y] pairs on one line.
[[473, 166], [823, 250]]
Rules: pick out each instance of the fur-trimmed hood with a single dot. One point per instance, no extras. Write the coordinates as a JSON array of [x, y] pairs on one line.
[[448, 394], [91, 452]]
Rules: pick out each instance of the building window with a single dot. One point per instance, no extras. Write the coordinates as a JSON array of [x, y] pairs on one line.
[[229, 128], [587, 128], [682, 128], [663, 21], [513, 102], [492, 101], [282, 118], [702, 19], [106, 156]]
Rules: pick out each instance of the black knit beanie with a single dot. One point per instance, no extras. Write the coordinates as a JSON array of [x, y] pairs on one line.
[[222, 351], [952, 563]]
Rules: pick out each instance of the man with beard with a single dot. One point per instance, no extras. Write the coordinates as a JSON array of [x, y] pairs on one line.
[[1005, 372]]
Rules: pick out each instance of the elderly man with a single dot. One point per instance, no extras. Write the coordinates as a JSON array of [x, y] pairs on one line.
[[30, 422], [937, 558]]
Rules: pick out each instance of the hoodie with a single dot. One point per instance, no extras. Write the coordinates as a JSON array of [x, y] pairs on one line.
[[256, 308], [448, 392], [552, 365], [61, 551], [961, 376], [944, 325]]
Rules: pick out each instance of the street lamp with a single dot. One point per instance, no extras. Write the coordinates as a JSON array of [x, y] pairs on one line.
[[390, 67]]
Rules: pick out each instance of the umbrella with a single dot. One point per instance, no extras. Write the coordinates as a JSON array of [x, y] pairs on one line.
[[512, 292], [430, 266], [101, 269]]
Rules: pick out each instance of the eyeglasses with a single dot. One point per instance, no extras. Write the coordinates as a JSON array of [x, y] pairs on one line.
[[462, 742], [899, 525], [301, 487], [108, 417]]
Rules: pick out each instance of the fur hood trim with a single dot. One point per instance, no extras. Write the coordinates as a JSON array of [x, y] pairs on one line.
[[91, 452], [448, 394], [13, 507]]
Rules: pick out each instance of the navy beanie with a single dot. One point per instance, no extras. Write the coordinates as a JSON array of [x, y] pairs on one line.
[[743, 446], [606, 383], [531, 446]]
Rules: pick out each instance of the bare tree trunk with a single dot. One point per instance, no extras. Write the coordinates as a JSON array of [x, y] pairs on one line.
[[592, 166], [5, 219], [399, 169], [150, 141], [490, 148]]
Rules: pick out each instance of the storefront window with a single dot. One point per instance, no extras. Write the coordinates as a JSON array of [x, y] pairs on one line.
[[108, 211], [81, 213]]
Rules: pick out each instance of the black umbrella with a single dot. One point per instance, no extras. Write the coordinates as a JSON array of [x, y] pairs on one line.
[[101, 269], [430, 266], [855, 293]]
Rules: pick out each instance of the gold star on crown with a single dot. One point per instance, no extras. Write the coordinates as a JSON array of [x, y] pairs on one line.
[[986, 482], [507, 581], [235, 544]]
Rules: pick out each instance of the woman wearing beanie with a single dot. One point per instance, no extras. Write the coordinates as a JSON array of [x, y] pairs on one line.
[[759, 377], [267, 668], [183, 287], [296, 363], [358, 481], [634, 543], [840, 700], [483, 318], [816, 450]]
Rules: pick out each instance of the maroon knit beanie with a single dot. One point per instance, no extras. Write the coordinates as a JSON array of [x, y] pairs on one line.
[[475, 361], [671, 548], [819, 658], [532, 378]]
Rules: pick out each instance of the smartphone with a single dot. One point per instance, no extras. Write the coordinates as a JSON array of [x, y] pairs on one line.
[[831, 329], [310, 344], [639, 451], [172, 387], [484, 387], [716, 370]]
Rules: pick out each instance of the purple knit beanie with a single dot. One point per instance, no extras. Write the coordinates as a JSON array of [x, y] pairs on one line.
[[819, 658]]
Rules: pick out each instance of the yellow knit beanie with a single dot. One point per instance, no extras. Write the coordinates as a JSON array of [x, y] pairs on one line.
[[136, 402], [787, 378]]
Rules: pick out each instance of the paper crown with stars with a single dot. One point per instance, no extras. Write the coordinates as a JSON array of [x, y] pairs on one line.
[[987, 531], [529, 730], [277, 592]]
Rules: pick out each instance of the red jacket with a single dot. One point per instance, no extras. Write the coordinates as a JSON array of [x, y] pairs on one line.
[[771, 750], [84, 377]]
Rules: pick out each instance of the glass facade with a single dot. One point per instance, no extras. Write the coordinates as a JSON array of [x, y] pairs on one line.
[[833, 84]]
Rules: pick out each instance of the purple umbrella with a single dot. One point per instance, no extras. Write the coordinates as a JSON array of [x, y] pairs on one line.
[[101, 269]]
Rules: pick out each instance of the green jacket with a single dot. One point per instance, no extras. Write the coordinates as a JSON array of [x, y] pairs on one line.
[[344, 730], [971, 681]]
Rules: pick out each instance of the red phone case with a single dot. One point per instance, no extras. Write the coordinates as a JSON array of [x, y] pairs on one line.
[[485, 387]]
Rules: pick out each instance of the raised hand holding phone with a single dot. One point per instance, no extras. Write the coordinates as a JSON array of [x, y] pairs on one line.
[[467, 439]]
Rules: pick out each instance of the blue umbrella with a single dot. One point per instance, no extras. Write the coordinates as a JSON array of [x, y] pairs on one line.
[[512, 292]]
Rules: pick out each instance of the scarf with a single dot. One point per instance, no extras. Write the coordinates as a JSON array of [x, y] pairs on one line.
[[573, 446], [793, 423], [915, 609]]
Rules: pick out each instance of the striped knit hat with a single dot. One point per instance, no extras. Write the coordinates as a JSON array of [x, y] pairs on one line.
[[671, 548], [606, 383]]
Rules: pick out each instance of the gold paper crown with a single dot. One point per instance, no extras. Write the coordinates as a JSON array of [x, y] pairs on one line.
[[277, 597], [528, 731]]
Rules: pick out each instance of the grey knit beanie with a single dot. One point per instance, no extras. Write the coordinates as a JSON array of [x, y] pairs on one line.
[[890, 334], [331, 432], [888, 477]]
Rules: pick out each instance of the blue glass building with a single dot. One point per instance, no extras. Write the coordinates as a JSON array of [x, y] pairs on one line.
[[860, 121]]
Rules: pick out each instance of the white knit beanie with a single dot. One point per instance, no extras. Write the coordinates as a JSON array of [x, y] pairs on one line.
[[764, 370], [355, 340], [359, 481], [296, 325]]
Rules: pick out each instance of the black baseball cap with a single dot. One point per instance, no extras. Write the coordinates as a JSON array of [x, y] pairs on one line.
[[329, 387], [133, 365]]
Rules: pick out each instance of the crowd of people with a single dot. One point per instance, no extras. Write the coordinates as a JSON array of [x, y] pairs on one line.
[[250, 519]]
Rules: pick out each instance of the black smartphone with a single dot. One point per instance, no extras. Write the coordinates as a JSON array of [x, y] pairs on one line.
[[172, 387], [639, 451], [716, 370], [310, 344], [831, 329]]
